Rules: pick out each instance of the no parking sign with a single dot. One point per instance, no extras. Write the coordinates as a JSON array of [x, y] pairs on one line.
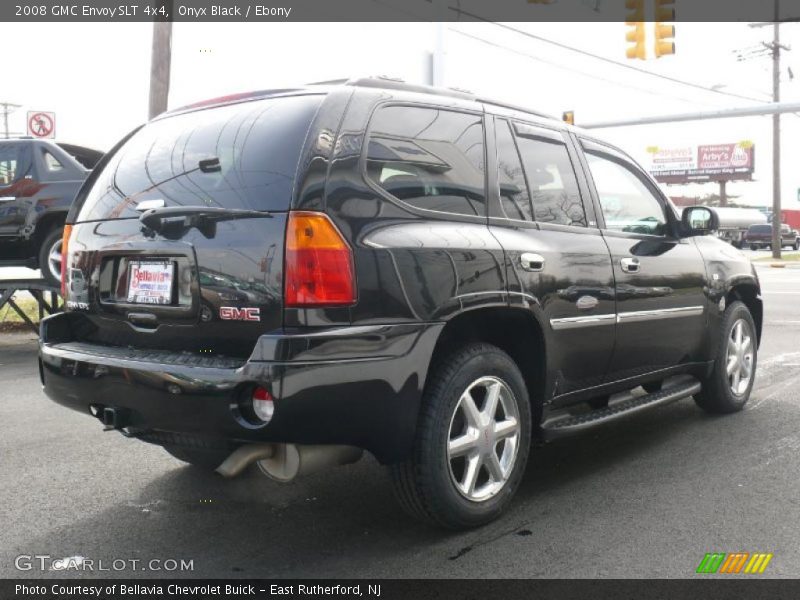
[[42, 124]]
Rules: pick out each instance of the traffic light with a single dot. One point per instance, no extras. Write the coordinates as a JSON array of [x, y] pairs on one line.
[[665, 10], [635, 34], [568, 117], [664, 43]]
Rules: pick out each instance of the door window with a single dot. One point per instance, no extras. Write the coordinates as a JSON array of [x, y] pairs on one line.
[[515, 201], [551, 178], [429, 158], [627, 203]]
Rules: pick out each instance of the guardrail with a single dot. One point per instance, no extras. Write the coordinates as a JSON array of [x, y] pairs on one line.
[[45, 294]]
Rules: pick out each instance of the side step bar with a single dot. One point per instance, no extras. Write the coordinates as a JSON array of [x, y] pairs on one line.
[[562, 426]]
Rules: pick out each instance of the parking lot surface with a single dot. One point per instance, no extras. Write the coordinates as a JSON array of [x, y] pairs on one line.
[[645, 497]]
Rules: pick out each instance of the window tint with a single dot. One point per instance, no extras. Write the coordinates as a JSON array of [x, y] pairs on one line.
[[9, 159], [551, 178], [52, 163], [514, 199], [760, 228], [257, 146], [429, 158], [627, 203]]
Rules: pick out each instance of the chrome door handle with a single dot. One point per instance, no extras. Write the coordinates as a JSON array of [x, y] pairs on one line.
[[531, 261], [7, 198], [630, 265]]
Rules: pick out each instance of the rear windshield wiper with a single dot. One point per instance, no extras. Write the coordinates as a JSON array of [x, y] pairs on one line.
[[204, 218]]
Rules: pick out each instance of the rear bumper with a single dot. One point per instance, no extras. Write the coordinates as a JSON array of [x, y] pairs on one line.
[[358, 386]]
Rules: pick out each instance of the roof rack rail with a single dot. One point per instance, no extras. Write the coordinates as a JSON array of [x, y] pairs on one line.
[[393, 83], [330, 82], [399, 84], [517, 107]]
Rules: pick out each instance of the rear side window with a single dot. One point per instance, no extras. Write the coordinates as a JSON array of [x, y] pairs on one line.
[[249, 151], [760, 229], [553, 184], [10, 159], [429, 158], [52, 164]]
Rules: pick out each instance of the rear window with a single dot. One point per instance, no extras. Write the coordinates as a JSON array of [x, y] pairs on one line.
[[257, 145], [760, 229]]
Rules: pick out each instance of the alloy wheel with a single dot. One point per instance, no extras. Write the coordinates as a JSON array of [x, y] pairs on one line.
[[483, 439], [740, 357], [54, 260]]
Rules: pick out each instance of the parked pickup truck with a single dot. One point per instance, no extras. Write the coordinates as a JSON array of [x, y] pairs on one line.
[[760, 236], [38, 181]]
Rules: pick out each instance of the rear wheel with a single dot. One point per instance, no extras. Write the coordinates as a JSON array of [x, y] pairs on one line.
[[50, 256], [728, 387], [753, 247], [472, 441], [207, 459]]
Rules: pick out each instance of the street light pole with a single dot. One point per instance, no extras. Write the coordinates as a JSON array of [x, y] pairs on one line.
[[776, 136]]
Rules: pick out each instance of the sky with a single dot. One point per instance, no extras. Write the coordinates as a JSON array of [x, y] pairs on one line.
[[96, 76]]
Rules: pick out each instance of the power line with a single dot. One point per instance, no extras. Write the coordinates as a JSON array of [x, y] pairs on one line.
[[584, 73], [563, 46], [610, 60]]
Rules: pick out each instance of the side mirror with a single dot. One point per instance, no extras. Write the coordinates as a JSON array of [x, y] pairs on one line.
[[699, 220]]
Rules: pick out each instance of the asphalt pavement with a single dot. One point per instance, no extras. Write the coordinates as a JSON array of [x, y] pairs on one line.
[[645, 497]]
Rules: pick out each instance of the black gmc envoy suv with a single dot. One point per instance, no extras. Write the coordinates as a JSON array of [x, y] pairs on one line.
[[291, 277]]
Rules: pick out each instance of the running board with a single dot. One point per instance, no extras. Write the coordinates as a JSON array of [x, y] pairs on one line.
[[571, 424]]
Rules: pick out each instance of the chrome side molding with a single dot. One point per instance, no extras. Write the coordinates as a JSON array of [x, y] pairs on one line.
[[626, 317]]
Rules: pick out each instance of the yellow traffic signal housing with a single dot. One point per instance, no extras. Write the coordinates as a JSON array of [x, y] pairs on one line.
[[664, 43], [635, 35], [568, 117], [665, 10], [636, 8]]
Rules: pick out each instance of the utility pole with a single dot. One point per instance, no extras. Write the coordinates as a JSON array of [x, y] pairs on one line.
[[8, 108], [776, 135], [160, 60]]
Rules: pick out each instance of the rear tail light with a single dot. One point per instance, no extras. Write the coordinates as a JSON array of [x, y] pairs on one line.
[[64, 254], [319, 263]]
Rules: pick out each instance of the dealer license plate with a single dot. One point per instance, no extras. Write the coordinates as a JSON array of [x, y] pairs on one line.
[[150, 282]]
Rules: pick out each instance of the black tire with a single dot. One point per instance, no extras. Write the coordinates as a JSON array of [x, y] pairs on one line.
[[598, 402], [651, 387], [717, 395], [796, 246], [425, 483], [50, 242], [753, 247], [205, 458]]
